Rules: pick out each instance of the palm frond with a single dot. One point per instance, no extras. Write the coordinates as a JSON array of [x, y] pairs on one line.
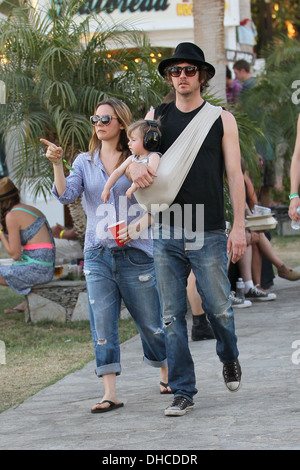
[[58, 65]]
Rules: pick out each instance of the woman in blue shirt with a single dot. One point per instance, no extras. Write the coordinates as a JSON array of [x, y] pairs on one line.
[[113, 272]]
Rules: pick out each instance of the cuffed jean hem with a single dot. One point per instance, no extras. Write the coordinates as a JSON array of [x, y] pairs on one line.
[[155, 363], [108, 369], [183, 394]]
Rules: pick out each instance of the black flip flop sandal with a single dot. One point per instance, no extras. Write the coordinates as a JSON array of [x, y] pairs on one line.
[[112, 406], [166, 386]]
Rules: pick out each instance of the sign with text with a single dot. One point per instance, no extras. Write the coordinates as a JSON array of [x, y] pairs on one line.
[[145, 15], [233, 56]]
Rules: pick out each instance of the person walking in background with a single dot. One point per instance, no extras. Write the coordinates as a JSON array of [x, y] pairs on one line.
[[27, 239], [233, 88], [189, 73], [242, 72], [295, 178], [113, 272], [264, 147]]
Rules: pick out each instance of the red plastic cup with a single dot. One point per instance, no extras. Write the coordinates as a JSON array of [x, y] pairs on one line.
[[115, 228]]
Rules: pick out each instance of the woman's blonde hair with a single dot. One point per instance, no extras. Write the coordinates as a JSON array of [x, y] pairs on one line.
[[124, 116]]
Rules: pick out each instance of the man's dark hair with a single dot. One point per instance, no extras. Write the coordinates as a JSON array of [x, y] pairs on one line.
[[242, 64]]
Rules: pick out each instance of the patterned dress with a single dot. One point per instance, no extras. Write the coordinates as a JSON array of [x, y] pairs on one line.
[[36, 265]]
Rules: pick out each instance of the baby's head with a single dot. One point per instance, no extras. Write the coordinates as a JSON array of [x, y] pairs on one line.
[[147, 132]]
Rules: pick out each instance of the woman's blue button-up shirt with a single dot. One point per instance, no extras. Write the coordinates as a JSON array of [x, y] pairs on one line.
[[88, 179]]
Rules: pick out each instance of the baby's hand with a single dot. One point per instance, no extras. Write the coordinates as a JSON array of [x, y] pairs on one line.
[[131, 190], [129, 193], [105, 195]]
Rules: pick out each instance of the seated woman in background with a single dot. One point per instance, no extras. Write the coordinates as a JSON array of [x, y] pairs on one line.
[[27, 238]]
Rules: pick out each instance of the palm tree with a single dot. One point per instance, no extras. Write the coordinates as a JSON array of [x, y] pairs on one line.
[[209, 35], [56, 66], [274, 101]]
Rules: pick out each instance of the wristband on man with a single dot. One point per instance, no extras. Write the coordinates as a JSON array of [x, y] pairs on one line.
[[292, 196]]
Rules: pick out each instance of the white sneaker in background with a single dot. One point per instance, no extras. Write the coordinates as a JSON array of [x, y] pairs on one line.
[[239, 303]]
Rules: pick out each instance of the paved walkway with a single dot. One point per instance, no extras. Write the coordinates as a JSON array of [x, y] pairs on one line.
[[264, 414]]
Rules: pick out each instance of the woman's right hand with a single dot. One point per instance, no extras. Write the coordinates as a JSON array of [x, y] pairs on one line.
[[53, 153]]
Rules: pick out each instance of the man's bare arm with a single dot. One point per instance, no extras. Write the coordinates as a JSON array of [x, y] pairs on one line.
[[232, 158]]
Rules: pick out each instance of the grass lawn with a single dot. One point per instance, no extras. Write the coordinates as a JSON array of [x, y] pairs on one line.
[[288, 249], [39, 354]]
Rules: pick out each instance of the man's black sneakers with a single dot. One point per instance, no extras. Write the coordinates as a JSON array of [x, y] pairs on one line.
[[232, 374], [179, 407]]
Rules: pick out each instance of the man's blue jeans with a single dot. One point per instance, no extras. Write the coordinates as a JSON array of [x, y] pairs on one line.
[[173, 262], [128, 273]]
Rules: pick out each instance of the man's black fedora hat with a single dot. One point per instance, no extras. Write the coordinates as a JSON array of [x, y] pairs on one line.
[[187, 52]]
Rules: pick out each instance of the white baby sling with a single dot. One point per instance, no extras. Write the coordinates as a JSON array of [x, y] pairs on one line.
[[176, 162]]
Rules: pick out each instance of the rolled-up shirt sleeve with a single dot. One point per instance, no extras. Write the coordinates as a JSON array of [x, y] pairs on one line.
[[88, 180], [75, 186]]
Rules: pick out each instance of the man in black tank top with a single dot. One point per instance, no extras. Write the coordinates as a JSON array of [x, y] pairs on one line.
[[188, 73]]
